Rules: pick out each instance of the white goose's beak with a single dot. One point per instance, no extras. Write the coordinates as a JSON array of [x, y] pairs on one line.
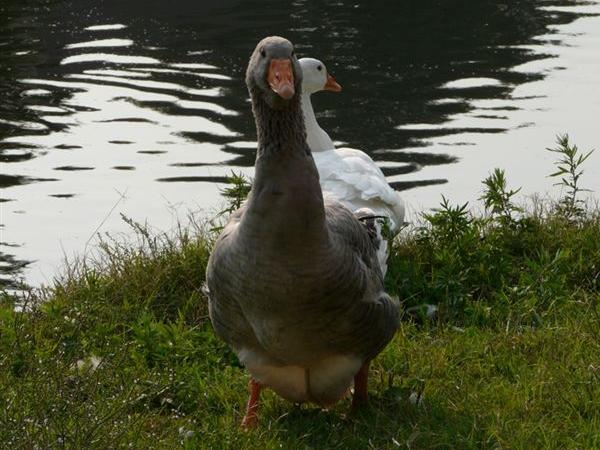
[[332, 85]]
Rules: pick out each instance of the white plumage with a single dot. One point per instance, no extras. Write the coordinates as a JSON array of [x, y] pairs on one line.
[[353, 178], [346, 174]]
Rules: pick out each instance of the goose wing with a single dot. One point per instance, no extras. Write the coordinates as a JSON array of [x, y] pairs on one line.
[[367, 316], [225, 312], [353, 178]]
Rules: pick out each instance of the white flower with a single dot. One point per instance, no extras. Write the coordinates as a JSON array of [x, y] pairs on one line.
[[416, 398], [90, 363], [186, 434]]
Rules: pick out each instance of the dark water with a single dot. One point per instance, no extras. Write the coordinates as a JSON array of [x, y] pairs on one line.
[[139, 107]]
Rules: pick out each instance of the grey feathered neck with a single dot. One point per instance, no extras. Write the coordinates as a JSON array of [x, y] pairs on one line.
[[278, 130]]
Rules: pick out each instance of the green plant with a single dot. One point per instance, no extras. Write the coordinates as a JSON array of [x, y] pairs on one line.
[[569, 169], [497, 198], [449, 222], [237, 191]]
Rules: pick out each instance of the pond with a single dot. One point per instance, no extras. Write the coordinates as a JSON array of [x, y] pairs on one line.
[[139, 108]]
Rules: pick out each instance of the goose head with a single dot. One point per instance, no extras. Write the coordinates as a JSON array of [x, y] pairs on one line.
[[316, 77], [274, 74]]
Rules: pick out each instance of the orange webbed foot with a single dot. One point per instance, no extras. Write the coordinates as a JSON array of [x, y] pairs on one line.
[[250, 420], [361, 393]]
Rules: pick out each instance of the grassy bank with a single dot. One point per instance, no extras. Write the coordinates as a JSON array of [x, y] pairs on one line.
[[120, 352]]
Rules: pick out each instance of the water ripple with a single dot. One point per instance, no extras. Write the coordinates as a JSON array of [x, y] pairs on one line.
[[468, 83], [108, 27], [149, 84], [108, 58], [101, 43]]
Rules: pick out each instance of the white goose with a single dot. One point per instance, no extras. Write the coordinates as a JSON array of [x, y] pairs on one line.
[[347, 174]]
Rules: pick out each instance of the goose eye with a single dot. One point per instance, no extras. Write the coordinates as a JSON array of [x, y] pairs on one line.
[[319, 68], [293, 53], [263, 53]]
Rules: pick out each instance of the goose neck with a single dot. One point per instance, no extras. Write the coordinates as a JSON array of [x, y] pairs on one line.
[[279, 131], [318, 140]]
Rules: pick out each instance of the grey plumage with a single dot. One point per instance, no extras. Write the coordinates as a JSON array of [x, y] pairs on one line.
[[294, 283]]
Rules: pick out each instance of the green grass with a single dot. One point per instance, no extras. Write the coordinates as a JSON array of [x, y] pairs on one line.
[[120, 352]]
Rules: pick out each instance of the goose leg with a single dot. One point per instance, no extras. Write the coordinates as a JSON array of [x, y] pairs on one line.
[[361, 395], [250, 420]]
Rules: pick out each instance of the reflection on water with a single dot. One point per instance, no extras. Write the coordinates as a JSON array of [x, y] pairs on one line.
[[140, 107]]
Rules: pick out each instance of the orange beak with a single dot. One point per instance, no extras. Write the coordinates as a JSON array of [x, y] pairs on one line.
[[281, 77], [332, 85]]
